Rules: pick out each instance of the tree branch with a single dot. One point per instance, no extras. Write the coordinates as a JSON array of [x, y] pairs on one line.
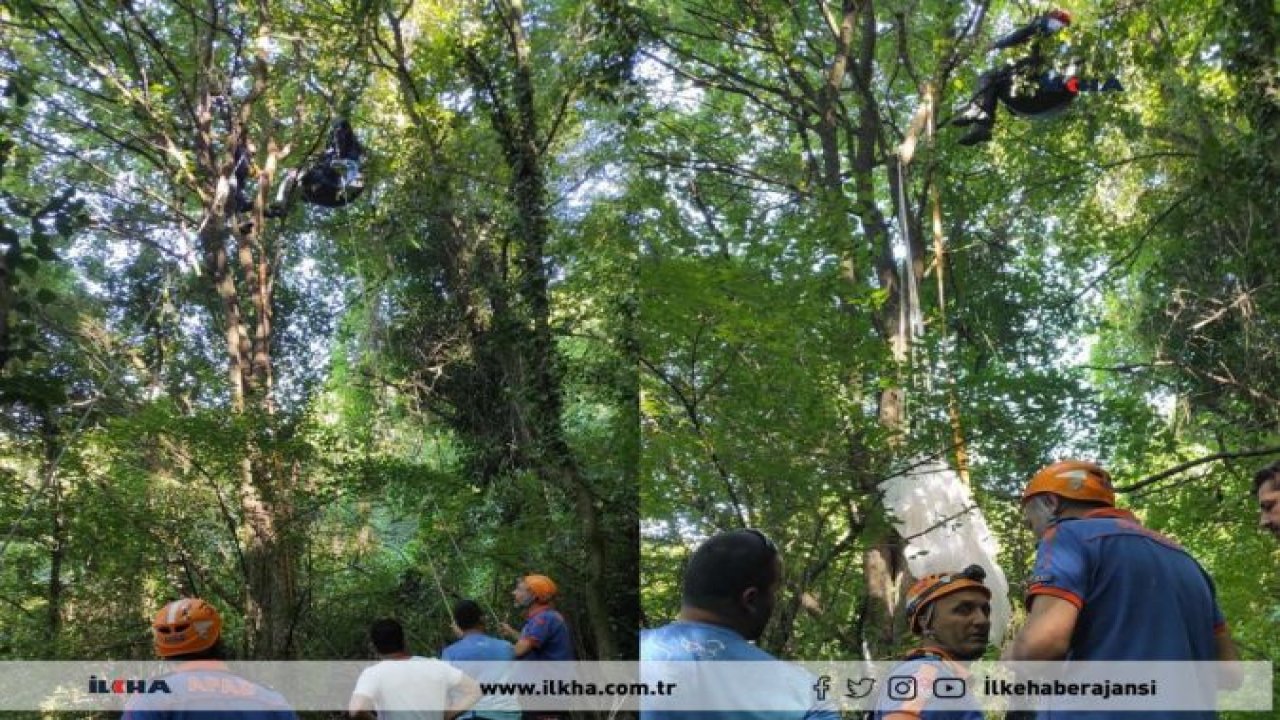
[[940, 523], [1177, 469]]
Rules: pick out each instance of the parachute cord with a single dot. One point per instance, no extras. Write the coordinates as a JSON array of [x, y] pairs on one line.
[[916, 322], [910, 324]]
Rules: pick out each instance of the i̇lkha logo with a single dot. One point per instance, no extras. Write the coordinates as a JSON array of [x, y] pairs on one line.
[[123, 686]]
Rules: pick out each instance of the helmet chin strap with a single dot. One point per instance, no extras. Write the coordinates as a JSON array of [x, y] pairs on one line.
[[927, 621]]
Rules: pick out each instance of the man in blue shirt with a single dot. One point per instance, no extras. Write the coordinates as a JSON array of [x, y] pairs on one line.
[[1106, 588], [475, 646], [189, 631], [951, 612], [729, 592]]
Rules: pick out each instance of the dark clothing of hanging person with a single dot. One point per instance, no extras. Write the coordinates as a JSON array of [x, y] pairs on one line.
[[998, 85], [332, 180], [336, 179], [241, 174]]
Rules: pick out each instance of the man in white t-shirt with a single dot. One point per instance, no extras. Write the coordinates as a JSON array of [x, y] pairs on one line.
[[408, 687]]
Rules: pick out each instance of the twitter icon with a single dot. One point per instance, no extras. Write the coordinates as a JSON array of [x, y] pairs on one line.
[[860, 688]]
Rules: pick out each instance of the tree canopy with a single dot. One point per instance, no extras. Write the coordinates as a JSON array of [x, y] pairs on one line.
[[316, 420]]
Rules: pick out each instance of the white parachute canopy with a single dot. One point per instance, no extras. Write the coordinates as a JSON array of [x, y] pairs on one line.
[[947, 531]]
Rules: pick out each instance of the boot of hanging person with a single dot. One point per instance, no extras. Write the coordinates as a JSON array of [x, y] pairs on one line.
[[284, 196], [980, 133], [979, 116], [981, 110], [972, 113]]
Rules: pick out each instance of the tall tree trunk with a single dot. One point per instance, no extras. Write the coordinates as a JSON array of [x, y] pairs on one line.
[[58, 529], [270, 552], [533, 230], [270, 593], [883, 562], [269, 585]]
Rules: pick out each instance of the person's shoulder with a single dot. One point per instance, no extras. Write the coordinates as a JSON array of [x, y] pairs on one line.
[[1116, 522], [433, 668], [743, 650], [1076, 529], [497, 646], [458, 649], [394, 671], [389, 670], [687, 629], [269, 699], [479, 647], [215, 686], [649, 640], [683, 640], [920, 664], [656, 631], [435, 665]]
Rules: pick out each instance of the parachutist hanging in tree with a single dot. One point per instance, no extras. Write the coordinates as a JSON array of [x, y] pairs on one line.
[[1003, 83], [332, 180]]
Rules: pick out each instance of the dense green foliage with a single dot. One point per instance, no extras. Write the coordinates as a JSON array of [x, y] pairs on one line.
[[335, 416], [1102, 291]]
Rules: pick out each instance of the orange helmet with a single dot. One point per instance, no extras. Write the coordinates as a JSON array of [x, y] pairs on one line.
[[185, 626], [1075, 479], [540, 586], [931, 587]]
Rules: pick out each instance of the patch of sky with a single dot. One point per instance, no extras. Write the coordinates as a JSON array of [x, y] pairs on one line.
[[663, 87]]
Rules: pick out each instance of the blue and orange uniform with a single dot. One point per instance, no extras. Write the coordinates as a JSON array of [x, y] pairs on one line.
[[208, 690], [547, 631], [925, 667], [1141, 596]]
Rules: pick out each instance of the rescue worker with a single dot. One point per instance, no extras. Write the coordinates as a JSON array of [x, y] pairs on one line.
[[1106, 588], [951, 612], [201, 687]]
